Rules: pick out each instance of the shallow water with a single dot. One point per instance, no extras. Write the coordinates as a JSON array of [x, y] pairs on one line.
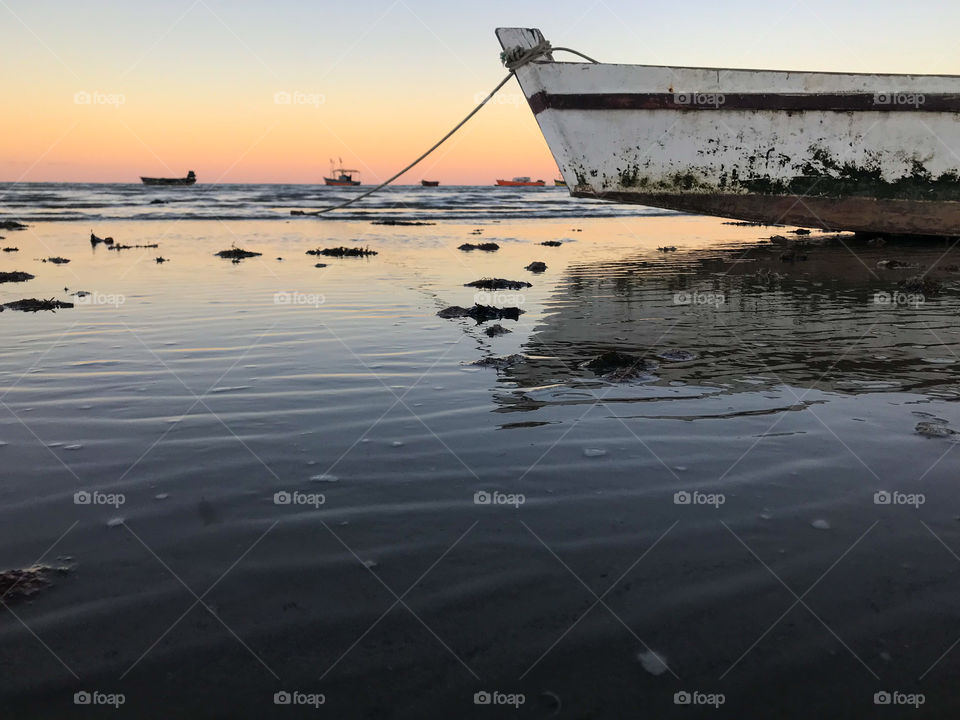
[[200, 388]]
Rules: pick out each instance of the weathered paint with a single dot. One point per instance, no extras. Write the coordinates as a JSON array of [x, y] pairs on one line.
[[875, 153]]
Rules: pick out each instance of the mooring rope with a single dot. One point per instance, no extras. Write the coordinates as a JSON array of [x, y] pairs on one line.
[[513, 59]]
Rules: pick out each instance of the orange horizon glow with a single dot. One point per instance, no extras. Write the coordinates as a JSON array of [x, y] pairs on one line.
[[199, 84]]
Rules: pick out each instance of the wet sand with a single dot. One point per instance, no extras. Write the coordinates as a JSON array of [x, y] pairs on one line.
[[199, 393]]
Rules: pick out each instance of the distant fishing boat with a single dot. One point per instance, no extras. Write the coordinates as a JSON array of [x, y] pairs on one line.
[[430, 183], [521, 182], [190, 179], [873, 153], [340, 176], [560, 182]]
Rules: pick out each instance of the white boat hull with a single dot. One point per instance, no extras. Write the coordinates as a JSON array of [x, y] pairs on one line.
[[870, 153]]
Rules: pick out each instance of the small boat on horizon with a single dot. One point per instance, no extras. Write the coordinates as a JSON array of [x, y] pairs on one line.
[[560, 182], [521, 182], [190, 179], [340, 176], [863, 152], [430, 183]]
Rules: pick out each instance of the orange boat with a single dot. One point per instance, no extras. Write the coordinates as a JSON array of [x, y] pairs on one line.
[[521, 182]]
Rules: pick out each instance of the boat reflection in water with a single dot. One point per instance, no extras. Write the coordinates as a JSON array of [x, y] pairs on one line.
[[828, 313]]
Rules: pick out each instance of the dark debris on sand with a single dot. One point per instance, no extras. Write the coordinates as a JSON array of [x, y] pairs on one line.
[[11, 225], [15, 276], [161, 260], [667, 248], [343, 252], [551, 243], [615, 365], [496, 330], [486, 247], [498, 284], [319, 265], [390, 221], [481, 313], [94, 240], [536, 267], [235, 253], [11, 249], [34, 305], [18, 584], [57, 260]]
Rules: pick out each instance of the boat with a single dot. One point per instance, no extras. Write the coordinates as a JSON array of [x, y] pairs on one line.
[[560, 182], [340, 176], [430, 183], [190, 179], [868, 153], [521, 182]]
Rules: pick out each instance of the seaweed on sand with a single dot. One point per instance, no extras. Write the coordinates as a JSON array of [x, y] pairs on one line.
[[481, 313], [33, 305], [94, 240], [498, 284], [11, 249], [486, 247], [235, 253], [343, 252], [496, 330], [57, 260], [551, 243], [536, 267], [15, 276], [11, 225]]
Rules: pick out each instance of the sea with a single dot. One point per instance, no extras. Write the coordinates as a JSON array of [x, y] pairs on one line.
[[285, 486]]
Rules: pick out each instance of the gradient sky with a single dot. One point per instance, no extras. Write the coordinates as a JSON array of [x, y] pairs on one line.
[[192, 84]]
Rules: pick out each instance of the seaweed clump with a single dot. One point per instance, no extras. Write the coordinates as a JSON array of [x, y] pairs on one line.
[[920, 284], [118, 246], [15, 276], [34, 305], [392, 221], [498, 284], [235, 253], [343, 252], [486, 247], [18, 584], [536, 267], [615, 365], [551, 243], [482, 313]]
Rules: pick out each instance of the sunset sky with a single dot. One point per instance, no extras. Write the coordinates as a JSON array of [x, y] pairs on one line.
[[195, 84]]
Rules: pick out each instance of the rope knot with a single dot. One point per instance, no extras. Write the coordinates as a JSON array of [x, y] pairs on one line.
[[517, 57]]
